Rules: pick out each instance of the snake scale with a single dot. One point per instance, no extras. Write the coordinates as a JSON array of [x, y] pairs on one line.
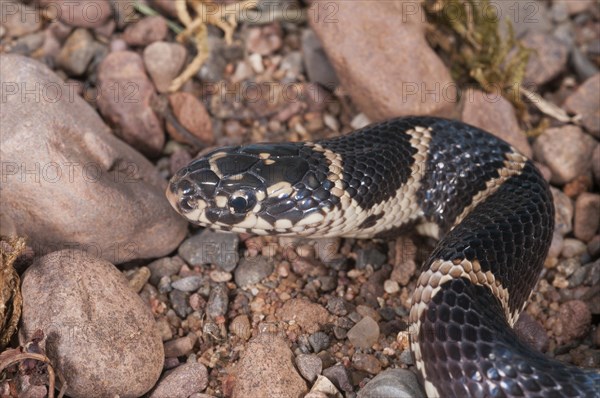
[[488, 204]]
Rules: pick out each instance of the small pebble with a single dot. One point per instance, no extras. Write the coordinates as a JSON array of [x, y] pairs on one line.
[[218, 301], [139, 278], [371, 257], [587, 216], [210, 247], [220, 276], [166, 266], [163, 62], [240, 326], [339, 376], [319, 341], [309, 366], [179, 347], [575, 318], [364, 334], [393, 383], [77, 52], [323, 388], [406, 357], [366, 362], [252, 270], [391, 286], [189, 283], [573, 248], [179, 302], [147, 30], [182, 382]]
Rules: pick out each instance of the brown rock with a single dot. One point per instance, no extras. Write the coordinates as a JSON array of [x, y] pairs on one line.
[[309, 316], [563, 212], [182, 382], [266, 369], [567, 151], [129, 109], [587, 216], [20, 19], [77, 52], [97, 328], [192, 115], [81, 13], [493, 113], [147, 30], [575, 318], [585, 101], [164, 61], [366, 362], [179, 347], [375, 57], [364, 334], [240, 326], [547, 60], [531, 331], [92, 191]]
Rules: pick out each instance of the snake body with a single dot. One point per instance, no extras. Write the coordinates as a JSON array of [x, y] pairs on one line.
[[491, 209]]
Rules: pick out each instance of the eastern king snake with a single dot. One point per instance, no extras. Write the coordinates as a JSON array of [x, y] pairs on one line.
[[491, 208]]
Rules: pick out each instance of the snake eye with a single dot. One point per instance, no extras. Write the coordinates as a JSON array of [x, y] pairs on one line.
[[242, 202]]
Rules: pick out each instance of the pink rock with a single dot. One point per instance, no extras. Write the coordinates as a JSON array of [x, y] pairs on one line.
[[192, 115], [80, 13], [125, 99], [382, 59]]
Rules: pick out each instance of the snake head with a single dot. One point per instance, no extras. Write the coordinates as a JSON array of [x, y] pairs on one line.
[[260, 189]]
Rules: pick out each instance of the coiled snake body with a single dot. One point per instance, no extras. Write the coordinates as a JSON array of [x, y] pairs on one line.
[[490, 205]]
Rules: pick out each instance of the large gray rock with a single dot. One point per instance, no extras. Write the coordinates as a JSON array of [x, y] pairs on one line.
[[99, 334], [68, 182]]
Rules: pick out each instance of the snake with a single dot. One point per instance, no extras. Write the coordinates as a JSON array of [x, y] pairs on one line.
[[486, 203]]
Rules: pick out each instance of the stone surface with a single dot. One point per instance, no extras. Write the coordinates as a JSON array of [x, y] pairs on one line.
[[567, 151], [19, 19], [92, 191], [366, 362], [585, 101], [318, 68], [97, 328], [576, 6], [182, 382], [181, 346], [575, 318], [164, 61], [309, 366], [264, 40], [339, 376], [547, 60], [210, 247], [493, 113], [147, 30], [218, 301], [364, 334], [266, 369], [587, 216], [532, 332], [125, 99], [563, 212], [404, 84], [309, 316], [240, 326], [252, 270], [193, 116], [81, 13], [77, 52], [393, 383]]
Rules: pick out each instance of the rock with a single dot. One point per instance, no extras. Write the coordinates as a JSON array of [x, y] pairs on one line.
[[391, 286], [593, 246], [393, 383], [252, 270], [587, 216], [573, 248], [337, 306], [525, 17], [403, 81], [93, 192], [146, 31], [192, 115], [576, 6], [575, 318], [28, 44], [139, 278], [130, 108], [563, 212], [584, 68], [166, 266], [548, 59], [309, 316], [596, 165], [364, 334], [180, 347], [218, 301], [20, 19], [371, 257], [532, 332], [493, 113], [189, 283], [77, 52], [164, 61], [179, 302], [319, 341], [210, 247], [567, 151], [266, 369], [240, 326], [366, 362], [80, 13], [264, 40], [182, 382], [340, 377], [309, 366], [585, 101], [94, 323], [318, 68]]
